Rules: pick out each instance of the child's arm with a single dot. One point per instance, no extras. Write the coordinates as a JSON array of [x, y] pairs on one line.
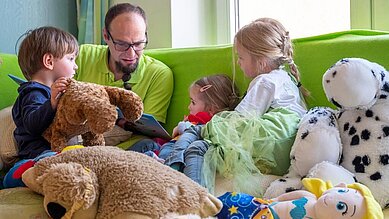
[[258, 99], [294, 195], [36, 112], [57, 88], [37, 108]]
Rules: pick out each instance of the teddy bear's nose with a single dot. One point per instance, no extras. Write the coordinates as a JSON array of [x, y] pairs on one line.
[[55, 210]]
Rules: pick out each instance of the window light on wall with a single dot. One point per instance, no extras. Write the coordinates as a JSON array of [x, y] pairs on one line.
[[301, 17]]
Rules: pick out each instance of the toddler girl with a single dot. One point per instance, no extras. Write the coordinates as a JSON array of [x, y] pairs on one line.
[[208, 95]]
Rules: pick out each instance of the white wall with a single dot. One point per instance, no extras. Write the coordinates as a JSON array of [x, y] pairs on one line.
[[158, 14], [19, 16], [185, 23], [301, 17], [193, 23]]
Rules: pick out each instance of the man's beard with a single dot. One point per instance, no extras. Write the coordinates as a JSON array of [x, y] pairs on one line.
[[126, 70]]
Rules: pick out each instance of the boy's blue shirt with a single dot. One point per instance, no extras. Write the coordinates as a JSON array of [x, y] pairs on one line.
[[32, 114]]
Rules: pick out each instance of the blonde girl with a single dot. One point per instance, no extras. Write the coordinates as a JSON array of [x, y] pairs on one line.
[[256, 138]]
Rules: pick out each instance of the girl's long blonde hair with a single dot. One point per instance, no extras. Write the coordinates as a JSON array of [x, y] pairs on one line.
[[268, 38]]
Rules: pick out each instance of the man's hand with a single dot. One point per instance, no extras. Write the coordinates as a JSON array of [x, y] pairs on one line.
[[57, 89]]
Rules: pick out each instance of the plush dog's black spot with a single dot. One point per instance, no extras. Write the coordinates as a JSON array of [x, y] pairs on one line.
[[333, 74], [332, 121], [358, 119], [384, 159], [293, 157], [312, 120], [352, 130], [377, 118], [383, 96], [379, 137], [290, 189], [335, 103], [327, 81], [373, 73], [376, 176], [386, 131], [382, 74], [282, 180], [340, 115], [385, 87], [305, 134], [346, 126], [365, 134], [369, 113], [322, 113], [358, 166], [366, 160], [354, 140]]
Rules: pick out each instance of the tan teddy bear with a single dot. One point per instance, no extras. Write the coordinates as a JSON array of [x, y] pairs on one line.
[[108, 182], [90, 110]]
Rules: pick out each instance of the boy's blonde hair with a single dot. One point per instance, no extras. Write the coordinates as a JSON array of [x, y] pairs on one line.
[[268, 38], [41, 41], [218, 92]]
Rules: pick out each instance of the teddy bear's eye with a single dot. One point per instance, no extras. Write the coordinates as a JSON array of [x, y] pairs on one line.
[[342, 207]]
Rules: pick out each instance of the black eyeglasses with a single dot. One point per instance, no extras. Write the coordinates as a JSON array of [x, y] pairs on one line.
[[122, 46]]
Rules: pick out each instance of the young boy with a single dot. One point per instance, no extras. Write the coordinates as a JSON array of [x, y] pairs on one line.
[[46, 57]]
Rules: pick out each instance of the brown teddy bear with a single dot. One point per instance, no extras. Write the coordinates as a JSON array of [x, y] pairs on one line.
[[108, 182], [89, 110]]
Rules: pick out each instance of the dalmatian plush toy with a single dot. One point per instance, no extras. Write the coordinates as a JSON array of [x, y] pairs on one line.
[[315, 153], [360, 90]]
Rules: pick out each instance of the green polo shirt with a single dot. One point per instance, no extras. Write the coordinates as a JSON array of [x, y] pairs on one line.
[[152, 80]]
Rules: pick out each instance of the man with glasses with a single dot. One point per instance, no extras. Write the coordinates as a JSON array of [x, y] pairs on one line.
[[122, 64]]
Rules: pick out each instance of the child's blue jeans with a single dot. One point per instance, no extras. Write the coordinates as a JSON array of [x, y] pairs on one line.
[[188, 152]]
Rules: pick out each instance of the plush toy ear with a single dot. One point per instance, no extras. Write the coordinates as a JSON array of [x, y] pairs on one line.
[[128, 102], [68, 187], [30, 178]]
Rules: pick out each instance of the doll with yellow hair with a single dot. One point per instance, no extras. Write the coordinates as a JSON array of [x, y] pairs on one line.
[[321, 201]]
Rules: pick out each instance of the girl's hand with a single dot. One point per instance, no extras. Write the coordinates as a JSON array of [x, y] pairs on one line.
[[175, 132], [57, 89]]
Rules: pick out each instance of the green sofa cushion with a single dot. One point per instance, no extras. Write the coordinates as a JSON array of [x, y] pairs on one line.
[[8, 88], [21, 203], [313, 55]]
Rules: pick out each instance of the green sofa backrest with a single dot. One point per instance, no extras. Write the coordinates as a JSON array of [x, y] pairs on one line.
[[313, 55]]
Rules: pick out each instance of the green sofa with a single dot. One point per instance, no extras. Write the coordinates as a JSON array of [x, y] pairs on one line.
[[313, 55]]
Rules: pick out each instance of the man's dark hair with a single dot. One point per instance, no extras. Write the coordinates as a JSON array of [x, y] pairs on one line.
[[119, 9]]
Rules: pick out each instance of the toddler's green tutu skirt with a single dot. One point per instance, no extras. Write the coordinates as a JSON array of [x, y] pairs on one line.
[[243, 148]]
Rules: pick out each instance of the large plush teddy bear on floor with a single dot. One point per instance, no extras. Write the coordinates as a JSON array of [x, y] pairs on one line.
[[108, 182], [359, 89], [90, 110]]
